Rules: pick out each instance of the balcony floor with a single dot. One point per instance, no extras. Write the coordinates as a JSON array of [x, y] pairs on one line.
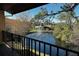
[[6, 51]]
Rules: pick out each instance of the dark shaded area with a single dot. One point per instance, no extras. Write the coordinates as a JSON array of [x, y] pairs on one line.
[[47, 28], [16, 43], [25, 52], [5, 51], [14, 8]]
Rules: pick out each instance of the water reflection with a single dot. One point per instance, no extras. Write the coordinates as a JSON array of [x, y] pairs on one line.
[[49, 38]]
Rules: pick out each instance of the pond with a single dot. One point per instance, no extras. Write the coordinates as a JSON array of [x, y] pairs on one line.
[[49, 38]]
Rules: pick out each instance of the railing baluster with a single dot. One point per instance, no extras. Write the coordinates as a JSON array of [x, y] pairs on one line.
[[44, 49], [18, 44], [31, 47], [50, 50], [20, 47], [39, 48], [66, 53], [3, 36], [35, 48], [57, 51], [24, 46], [78, 54], [12, 42]]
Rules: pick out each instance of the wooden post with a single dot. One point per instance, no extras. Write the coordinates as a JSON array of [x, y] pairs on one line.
[[2, 23]]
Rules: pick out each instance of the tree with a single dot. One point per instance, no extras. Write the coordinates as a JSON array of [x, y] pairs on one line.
[[36, 20], [67, 17], [42, 16], [23, 23], [24, 16], [8, 28]]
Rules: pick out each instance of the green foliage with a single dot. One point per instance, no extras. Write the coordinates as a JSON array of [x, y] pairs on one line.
[[67, 17], [62, 32], [66, 28], [42, 13], [40, 17]]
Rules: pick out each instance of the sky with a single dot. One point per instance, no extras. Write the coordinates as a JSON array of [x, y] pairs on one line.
[[49, 7]]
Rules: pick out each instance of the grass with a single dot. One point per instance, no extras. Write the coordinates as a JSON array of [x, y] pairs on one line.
[[33, 30]]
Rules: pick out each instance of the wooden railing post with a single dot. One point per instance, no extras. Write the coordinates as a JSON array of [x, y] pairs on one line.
[[3, 37]]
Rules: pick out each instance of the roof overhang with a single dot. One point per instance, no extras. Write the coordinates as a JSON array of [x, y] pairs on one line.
[[14, 8]]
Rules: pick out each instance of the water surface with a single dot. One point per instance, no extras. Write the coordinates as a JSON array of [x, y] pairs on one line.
[[49, 38]]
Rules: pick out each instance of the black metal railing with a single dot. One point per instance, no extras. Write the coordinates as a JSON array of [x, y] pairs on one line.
[[26, 46]]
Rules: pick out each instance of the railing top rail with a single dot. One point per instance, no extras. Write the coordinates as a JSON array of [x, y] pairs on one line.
[[54, 45], [45, 43]]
